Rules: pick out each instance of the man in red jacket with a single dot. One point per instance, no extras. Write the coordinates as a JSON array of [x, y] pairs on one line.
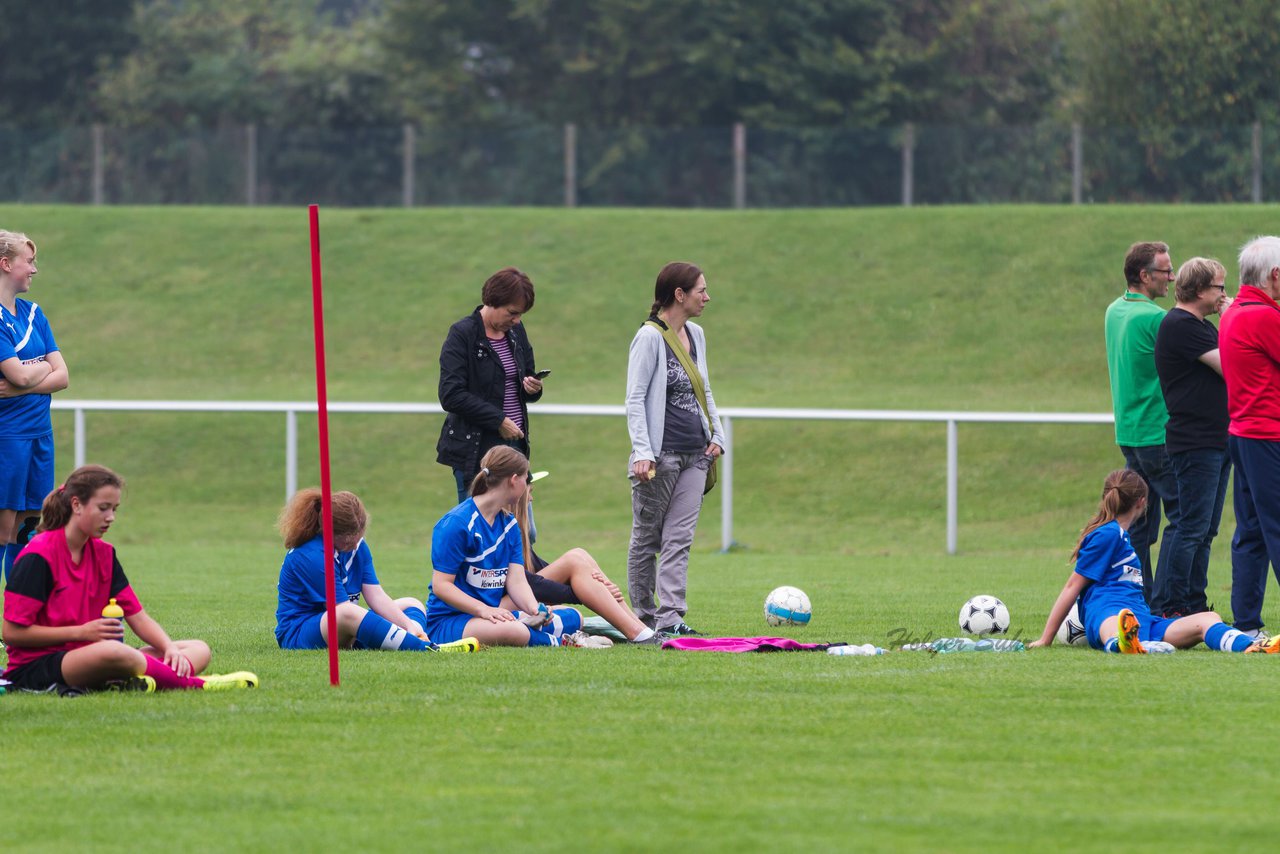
[[1249, 343]]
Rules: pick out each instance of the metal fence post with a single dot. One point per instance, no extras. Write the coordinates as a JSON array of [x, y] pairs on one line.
[[570, 165], [908, 163], [1257, 162], [98, 168], [953, 499], [290, 453], [725, 482], [1077, 163], [408, 164], [79, 436], [251, 164], [739, 165]]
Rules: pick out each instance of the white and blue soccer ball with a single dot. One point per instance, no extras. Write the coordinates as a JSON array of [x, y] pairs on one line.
[[787, 606], [1072, 630], [984, 615]]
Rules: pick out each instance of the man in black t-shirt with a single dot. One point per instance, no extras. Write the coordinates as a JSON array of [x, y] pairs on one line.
[[1186, 355]]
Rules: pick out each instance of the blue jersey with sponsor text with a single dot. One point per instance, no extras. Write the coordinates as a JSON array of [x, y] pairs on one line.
[[25, 335], [1109, 561], [475, 553]]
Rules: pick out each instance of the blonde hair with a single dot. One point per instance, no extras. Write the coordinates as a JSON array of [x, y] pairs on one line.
[[12, 241], [521, 514], [302, 519], [1194, 276], [1123, 490]]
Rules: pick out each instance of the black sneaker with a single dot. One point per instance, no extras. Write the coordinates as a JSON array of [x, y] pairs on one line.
[[145, 684], [654, 639], [680, 629]]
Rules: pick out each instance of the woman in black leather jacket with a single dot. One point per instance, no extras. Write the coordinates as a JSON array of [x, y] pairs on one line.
[[486, 378]]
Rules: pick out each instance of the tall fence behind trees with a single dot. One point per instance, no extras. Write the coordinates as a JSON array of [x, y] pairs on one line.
[[636, 167]]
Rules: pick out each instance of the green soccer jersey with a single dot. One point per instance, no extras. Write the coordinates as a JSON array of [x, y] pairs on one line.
[[1131, 325]]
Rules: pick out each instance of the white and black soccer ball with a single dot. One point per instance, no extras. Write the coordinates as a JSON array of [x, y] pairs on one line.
[[787, 606], [984, 615], [1072, 630]]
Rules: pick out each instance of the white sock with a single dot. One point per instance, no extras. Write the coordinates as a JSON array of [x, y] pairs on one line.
[[644, 635]]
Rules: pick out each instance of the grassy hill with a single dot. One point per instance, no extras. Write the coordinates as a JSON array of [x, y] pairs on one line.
[[927, 308]]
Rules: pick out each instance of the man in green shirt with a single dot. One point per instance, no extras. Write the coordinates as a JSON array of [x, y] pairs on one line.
[[1131, 325]]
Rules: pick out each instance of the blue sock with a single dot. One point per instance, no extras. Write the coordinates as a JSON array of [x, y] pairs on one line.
[[1224, 638], [10, 555], [564, 621], [376, 633], [1112, 645], [418, 616], [537, 637]]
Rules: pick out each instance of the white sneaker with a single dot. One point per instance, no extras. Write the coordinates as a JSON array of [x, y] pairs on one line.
[[535, 619], [585, 641], [1159, 647], [1258, 635]]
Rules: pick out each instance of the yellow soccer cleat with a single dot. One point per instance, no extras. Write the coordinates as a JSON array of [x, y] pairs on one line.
[[231, 681], [1127, 625], [463, 645]]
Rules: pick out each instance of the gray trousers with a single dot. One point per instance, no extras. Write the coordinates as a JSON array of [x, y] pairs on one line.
[[664, 516]]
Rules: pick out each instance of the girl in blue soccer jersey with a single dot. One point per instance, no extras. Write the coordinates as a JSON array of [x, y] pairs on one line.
[[477, 557], [301, 619], [1107, 581], [31, 369]]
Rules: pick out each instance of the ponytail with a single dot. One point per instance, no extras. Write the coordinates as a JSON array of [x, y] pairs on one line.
[[1122, 491], [82, 484], [500, 463], [678, 275], [521, 515]]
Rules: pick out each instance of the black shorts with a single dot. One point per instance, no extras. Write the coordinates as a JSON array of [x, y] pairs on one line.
[[551, 592], [43, 674]]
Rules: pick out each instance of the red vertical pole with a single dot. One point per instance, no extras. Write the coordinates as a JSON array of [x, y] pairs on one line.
[[322, 411]]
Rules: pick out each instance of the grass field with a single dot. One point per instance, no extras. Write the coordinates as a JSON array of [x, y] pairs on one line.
[[635, 749]]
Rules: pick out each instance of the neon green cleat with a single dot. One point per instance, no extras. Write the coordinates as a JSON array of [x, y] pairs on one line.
[[231, 681], [1127, 625], [463, 645]]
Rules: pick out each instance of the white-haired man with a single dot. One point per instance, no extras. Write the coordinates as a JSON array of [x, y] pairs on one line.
[[1249, 345]]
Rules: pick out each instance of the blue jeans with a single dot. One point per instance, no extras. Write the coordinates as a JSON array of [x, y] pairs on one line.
[[1202, 475], [1257, 538], [1152, 463]]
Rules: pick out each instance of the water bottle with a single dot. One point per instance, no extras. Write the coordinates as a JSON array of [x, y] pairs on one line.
[[855, 649], [920, 646], [112, 611], [955, 645]]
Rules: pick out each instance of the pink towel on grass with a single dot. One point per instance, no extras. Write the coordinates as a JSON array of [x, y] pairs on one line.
[[742, 645]]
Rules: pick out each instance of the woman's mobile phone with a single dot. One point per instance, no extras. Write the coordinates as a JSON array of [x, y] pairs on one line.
[[542, 375]]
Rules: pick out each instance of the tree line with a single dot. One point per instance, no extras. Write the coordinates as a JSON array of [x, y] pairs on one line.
[[1141, 64]]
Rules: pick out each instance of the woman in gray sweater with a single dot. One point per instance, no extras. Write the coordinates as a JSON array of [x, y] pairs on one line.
[[675, 438]]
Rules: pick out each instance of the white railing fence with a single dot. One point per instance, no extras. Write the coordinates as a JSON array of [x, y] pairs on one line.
[[727, 417]]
